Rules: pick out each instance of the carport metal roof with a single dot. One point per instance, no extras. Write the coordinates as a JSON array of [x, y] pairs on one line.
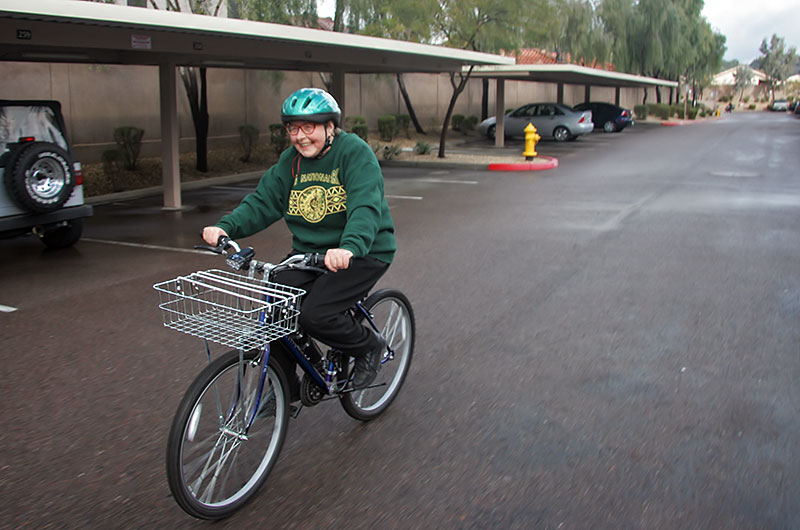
[[87, 32], [572, 74]]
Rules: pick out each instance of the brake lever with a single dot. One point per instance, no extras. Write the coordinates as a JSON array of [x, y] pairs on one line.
[[209, 248]]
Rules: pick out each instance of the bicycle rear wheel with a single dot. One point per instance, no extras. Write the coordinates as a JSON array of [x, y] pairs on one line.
[[213, 465], [394, 318]]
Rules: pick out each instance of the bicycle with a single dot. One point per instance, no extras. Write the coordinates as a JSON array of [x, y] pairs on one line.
[[230, 426]]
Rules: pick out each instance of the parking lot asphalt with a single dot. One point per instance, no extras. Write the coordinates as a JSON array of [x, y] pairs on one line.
[[610, 344]]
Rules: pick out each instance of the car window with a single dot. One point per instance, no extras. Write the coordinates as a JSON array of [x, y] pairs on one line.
[[546, 110], [522, 111], [557, 111], [18, 121]]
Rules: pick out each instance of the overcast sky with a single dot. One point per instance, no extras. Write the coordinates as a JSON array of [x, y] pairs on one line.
[[746, 24]]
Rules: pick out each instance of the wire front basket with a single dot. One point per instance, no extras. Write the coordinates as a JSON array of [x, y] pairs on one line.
[[228, 308]]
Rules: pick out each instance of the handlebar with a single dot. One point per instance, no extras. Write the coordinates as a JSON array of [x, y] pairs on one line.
[[243, 259]]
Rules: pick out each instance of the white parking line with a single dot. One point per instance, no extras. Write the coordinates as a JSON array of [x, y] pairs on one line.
[[141, 245], [446, 181], [7, 309], [407, 197]]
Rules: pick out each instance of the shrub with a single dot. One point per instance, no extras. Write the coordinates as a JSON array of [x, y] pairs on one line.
[[422, 148], [640, 111], [723, 99], [678, 111], [352, 121], [129, 140], [403, 121], [249, 137], [747, 99], [661, 110], [361, 130], [693, 113], [391, 151], [386, 126], [752, 106], [469, 123], [278, 138], [456, 121]]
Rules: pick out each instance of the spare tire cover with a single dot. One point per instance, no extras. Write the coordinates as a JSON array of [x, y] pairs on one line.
[[40, 177]]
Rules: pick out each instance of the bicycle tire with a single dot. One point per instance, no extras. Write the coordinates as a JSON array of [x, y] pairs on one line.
[[394, 317], [213, 472]]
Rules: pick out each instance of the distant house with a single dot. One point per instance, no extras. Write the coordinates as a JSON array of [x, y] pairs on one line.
[[728, 77], [722, 86]]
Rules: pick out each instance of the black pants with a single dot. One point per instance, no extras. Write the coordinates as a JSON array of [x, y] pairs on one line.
[[328, 296]]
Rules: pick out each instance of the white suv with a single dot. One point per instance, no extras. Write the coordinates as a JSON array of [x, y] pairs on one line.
[[42, 189]]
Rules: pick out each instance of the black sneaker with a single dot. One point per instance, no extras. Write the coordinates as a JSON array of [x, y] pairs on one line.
[[365, 368]]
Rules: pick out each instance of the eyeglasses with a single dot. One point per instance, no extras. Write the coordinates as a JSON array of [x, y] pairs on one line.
[[307, 128]]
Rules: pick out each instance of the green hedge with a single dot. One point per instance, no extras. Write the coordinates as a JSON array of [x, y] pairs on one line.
[[386, 127]]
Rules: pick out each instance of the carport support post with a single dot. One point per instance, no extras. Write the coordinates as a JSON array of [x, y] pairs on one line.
[[560, 93], [168, 88], [337, 90], [499, 112], [616, 96]]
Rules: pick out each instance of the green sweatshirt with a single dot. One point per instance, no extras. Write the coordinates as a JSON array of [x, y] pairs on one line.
[[334, 202]]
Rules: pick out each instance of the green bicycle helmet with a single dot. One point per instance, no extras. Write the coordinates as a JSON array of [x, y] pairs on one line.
[[311, 104]]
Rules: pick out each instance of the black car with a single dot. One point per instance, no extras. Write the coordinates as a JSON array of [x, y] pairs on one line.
[[608, 117]]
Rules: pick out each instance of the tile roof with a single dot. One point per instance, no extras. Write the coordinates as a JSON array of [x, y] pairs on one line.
[[542, 56]]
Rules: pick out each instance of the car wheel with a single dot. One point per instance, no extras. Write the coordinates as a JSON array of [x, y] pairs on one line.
[[561, 134], [41, 177], [491, 132], [609, 126], [62, 235]]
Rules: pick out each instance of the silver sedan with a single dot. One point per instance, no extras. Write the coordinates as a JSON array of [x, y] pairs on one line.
[[552, 120]]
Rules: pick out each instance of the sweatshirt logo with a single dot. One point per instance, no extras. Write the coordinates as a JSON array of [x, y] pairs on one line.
[[315, 202]]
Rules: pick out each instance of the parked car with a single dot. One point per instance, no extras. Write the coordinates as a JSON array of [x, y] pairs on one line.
[[552, 120], [793, 105], [610, 118], [42, 184], [779, 105]]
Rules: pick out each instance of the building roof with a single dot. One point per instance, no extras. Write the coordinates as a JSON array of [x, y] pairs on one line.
[[542, 56]]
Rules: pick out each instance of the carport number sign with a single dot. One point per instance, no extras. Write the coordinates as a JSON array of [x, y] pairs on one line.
[[24, 34], [141, 42]]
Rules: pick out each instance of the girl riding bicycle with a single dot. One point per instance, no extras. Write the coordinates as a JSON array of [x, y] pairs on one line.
[[328, 187]]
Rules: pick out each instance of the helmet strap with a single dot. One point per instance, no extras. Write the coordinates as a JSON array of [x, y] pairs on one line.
[[328, 143]]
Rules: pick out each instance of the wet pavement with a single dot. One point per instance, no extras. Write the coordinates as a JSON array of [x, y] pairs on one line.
[[611, 344]]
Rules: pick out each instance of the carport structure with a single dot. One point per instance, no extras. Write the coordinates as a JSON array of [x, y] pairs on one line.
[[559, 74], [86, 32]]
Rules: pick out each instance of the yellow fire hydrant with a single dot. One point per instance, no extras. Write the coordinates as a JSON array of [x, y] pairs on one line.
[[531, 137]]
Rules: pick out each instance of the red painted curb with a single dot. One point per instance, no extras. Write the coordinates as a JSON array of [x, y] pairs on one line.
[[526, 166]]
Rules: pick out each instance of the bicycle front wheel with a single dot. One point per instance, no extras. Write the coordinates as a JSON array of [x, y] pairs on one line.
[[394, 318], [215, 464]]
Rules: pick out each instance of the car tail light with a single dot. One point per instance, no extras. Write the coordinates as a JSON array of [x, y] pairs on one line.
[[625, 114], [76, 166], [26, 139], [583, 118]]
